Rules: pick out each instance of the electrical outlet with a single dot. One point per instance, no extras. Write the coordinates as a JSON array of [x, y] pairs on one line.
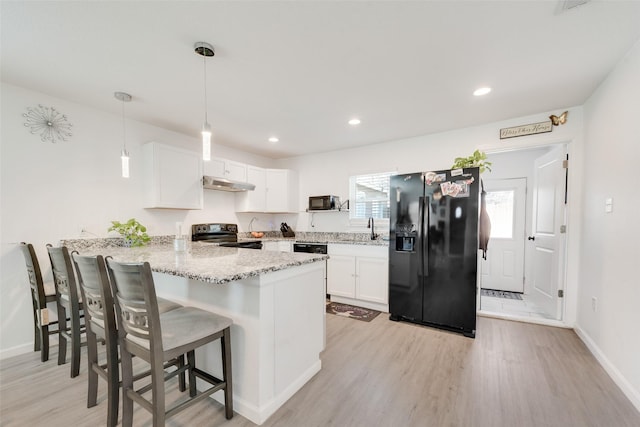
[[594, 304]]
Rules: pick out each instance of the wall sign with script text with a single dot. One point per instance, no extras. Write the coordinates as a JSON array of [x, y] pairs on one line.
[[523, 130]]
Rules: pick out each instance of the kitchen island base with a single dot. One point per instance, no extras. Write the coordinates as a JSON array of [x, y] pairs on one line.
[[276, 338]]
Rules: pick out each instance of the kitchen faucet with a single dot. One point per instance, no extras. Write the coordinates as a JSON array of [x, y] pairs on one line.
[[251, 223], [370, 225]]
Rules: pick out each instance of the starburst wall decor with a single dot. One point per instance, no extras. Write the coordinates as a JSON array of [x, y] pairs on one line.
[[48, 122]]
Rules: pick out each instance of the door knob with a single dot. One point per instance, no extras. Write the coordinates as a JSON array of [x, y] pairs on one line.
[[531, 238]]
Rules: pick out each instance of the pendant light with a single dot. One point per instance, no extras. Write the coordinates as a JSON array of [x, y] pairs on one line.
[[205, 49], [124, 154]]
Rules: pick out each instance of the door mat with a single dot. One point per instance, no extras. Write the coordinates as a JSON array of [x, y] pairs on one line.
[[501, 294], [351, 311]]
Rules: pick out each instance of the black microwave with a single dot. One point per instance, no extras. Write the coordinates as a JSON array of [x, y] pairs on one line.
[[323, 203]]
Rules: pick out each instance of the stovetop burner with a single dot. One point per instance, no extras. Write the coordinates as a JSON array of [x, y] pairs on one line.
[[224, 234]]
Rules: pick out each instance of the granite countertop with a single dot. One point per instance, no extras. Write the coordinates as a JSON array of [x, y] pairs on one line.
[[201, 261], [319, 237]]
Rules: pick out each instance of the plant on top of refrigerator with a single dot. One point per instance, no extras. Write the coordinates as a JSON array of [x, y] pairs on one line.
[[477, 160]]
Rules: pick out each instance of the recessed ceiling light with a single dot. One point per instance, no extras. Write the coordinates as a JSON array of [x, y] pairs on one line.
[[354, 122], [482, 91], [273, 139]]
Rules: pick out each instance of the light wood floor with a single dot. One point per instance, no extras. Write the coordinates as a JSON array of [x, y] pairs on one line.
[[381, 373]]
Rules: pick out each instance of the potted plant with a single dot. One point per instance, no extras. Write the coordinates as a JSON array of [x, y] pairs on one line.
[[133, 233], [477, 159]]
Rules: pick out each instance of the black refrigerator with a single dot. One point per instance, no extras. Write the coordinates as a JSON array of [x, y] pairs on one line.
[[433, 248]]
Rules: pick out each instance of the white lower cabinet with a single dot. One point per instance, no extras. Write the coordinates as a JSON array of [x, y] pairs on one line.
[[359, 275]]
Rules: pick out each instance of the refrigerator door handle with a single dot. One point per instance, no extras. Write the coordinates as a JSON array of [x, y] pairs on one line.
[[423, 235], [425, 238]]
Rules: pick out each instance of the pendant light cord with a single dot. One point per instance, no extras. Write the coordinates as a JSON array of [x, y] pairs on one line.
[[124, 130], [204, 60]]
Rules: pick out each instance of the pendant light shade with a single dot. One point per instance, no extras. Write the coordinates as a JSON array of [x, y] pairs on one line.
[[124, 154], [124, 158], [205, 49], [206, 142]]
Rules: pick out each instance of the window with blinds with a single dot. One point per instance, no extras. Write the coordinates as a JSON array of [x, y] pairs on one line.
[[369, 196]]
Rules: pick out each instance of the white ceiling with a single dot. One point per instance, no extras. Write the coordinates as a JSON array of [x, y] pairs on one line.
[[300, 70]]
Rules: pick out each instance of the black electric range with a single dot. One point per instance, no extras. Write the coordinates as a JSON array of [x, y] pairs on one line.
[[222, 234]]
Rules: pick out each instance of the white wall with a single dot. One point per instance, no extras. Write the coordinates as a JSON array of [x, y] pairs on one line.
[[52, 191], [611, 241]]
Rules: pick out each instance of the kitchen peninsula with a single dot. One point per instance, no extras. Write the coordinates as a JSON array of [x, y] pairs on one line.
[[276, 301]]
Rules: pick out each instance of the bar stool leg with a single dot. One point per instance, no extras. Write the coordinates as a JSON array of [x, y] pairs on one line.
[[191, 361], [75, 346], [157, 390], [62, 340], [113, 386], [36, 331], [181, 378], [92, 360], [127, 384], [44, 337], [225, 343]]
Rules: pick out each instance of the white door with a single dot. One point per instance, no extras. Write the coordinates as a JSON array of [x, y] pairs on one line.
[[548, 238], [503, 269]]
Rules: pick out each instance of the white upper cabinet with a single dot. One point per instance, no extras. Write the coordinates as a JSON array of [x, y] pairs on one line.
[[281, 190], [228, 169], [172, 177], [256, 200], [276, 191]]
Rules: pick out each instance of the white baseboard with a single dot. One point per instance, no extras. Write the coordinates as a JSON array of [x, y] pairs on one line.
[[524, 319], [632, 394], [16, 351], [360, 303], [27, 347]]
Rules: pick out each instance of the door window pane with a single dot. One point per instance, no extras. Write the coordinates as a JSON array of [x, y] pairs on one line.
[[500, 207]]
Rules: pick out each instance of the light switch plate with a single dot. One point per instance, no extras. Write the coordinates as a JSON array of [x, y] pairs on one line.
[[608, 205]]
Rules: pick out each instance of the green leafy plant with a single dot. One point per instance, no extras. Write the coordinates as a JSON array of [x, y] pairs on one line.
[[134, 233], [477, 159]]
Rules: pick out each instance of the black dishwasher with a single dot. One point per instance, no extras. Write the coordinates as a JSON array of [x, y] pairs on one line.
[[310, 248]]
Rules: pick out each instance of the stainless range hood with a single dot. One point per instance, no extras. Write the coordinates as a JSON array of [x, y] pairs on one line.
[[223, 184]]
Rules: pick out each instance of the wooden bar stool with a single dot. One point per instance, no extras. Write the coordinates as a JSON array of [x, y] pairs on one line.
[[101, 325], [155, 338], [41, 294], [69, 305]]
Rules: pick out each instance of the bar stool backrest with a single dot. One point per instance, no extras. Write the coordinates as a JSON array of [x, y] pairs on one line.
[[35, 282], [64, 275], [96, 294], [136, 303]]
